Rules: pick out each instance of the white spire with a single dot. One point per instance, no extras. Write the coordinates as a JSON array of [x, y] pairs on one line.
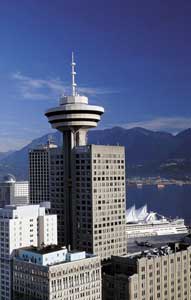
[[73, 76]]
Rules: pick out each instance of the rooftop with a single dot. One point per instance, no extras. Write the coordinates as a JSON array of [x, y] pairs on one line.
[[127, 264], [44, 250], [50, 255], [9, 178], [140, 244], [161, 251]]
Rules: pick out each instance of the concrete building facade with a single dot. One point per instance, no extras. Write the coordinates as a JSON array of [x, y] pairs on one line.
[[159, 274], [39, 172], [22, 226], [13, 192], [46, 173], [54, 273], [73, 118], [99, 200], [84, 183]]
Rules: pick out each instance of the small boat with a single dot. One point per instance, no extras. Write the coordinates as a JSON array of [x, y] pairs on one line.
[[139, 185], [160, 186]]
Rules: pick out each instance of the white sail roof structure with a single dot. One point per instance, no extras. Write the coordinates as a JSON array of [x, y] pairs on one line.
[[141, 223], [141, 214], [131, 216]]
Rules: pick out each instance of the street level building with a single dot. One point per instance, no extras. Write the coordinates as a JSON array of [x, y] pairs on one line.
[[55, 273], [163, 273], [22, 226], [99, 200], [13, 192]]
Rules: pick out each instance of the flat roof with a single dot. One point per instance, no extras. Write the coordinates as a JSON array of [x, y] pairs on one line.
[[44, 250], [164, 250], [137, 244]]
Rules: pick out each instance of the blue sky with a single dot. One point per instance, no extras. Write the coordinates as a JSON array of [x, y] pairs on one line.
[[133, 57]]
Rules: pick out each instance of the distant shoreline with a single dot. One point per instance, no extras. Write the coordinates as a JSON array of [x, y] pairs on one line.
[[158, 182]]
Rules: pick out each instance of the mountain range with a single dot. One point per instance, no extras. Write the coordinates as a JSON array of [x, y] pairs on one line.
[[147, 152]]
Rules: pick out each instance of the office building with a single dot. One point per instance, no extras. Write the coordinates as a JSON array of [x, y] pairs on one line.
[[90, 198], [39, 172], [55, 273], [163, 273], [73, 117], [46, 182], [22, 226], [99, 199], [13, 192]]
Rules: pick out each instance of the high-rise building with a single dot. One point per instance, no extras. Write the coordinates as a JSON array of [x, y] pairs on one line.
[[73, 117], [13, 192], [163, 273], [39, 172], [99, 199], [56, 273], [22, 226], [46, 181], [94, 215]]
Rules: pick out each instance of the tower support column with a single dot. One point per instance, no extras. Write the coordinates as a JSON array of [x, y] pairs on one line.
[[81, 137], [68, 144]]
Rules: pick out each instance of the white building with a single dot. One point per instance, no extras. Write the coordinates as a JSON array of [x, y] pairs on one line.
[[13, 192], [22, 226]]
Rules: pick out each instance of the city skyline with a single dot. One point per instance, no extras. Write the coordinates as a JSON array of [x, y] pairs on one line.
[[66, 233], [131, 57]]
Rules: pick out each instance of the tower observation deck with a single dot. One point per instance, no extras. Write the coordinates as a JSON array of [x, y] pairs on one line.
[[73, 117]]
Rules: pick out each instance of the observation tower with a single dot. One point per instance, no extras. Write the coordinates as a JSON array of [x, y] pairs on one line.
[[73, 117]]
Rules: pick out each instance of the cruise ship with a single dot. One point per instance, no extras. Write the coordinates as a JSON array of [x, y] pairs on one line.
[[141, 223]]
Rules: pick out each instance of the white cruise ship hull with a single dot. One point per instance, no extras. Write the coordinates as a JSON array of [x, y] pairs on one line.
[[156, 229]]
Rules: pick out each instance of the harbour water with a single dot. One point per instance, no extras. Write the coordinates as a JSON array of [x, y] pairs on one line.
[[171, 201]]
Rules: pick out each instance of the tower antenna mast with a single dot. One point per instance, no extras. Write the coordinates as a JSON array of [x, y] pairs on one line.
[[73, 76]]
